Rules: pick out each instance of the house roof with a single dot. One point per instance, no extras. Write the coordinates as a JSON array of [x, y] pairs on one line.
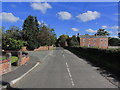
[[92, 36]]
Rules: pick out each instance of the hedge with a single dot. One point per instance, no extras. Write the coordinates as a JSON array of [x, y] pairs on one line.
[[108, 59]]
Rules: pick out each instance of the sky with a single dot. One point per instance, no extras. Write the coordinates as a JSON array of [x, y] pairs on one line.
[[65, 17]]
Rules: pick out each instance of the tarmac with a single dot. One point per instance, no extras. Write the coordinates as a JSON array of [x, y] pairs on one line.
[[14, 76]]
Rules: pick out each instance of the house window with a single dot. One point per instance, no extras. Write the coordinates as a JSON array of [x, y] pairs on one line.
[[105, 40], [89, 45], [94, 44], [94, 40], [105, 45], [83, 44], [101, 40], [83, 40]]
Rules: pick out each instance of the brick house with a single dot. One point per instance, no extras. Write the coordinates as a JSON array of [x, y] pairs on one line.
[[93, 41]]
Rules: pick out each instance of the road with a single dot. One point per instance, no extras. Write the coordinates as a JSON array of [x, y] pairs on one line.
[[62, 69]]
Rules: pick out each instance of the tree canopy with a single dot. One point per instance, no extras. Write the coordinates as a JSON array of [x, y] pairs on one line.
[[102, 32], [32, 35], [30, 32], [61, 40]]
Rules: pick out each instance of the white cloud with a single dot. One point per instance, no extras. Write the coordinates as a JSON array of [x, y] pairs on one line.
[[115, 36], [41, 7], [9, 17], [88, 16], [112, 27], [39, 22], [91, 30], [104, 26], [75, 29], [42, 22], [64, 15]]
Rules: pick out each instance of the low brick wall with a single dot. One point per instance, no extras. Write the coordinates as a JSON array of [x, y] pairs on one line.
[[39, 49], [5, 66], [44, 48], [24, 60], [24, 49]]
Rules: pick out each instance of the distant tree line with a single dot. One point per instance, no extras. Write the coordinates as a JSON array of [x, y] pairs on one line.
[[75, 41], [33, 35]]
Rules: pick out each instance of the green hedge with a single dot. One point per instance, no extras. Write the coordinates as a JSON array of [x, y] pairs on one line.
[[108, 59]]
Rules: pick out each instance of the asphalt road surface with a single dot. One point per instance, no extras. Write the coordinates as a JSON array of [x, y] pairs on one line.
[[62, 69]]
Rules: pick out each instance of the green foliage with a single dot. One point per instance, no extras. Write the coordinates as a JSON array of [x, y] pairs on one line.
[[14, 59], [12, 44], [13, 32], [30, 31], [32, 35], [32, 44], [102, 32], [61, 40], [105, 58], [114, 42], [74, 41], [46, 36], [71, 41]]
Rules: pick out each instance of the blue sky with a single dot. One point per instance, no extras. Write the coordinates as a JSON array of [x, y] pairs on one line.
[[64, 17]]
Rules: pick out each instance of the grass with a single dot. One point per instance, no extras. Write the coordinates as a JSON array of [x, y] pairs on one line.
[[2, 58], [14, 59]]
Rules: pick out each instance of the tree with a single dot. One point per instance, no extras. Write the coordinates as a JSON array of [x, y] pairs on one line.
[[14, 32], [1, 30], [30, 32], [114, 42], [46, 36], [102, 32], [61, 40], [74, 41], [11, 39]]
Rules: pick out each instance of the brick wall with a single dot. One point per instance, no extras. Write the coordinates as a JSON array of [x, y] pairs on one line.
[[5, 66], [24, 49], [39, 49], [24, 60], [44, 48]]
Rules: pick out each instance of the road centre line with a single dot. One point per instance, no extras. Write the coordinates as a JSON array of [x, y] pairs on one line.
[[70, 74]]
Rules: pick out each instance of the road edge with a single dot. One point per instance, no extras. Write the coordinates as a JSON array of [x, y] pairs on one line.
[[11, 83]]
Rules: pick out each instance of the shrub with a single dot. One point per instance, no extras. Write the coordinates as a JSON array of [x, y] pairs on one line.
[[12, 44], [14, 59]]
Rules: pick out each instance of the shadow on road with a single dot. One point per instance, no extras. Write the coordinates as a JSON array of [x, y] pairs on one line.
[[113, 78]]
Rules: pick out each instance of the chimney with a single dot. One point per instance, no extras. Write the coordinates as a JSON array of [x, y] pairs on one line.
[[78, 35]]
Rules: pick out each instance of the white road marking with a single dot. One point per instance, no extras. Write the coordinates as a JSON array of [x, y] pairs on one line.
[[16, 80], [70, 74]]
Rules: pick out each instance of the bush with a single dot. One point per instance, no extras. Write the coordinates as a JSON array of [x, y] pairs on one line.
[[12, 44], [14, 59], [114, 42]]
